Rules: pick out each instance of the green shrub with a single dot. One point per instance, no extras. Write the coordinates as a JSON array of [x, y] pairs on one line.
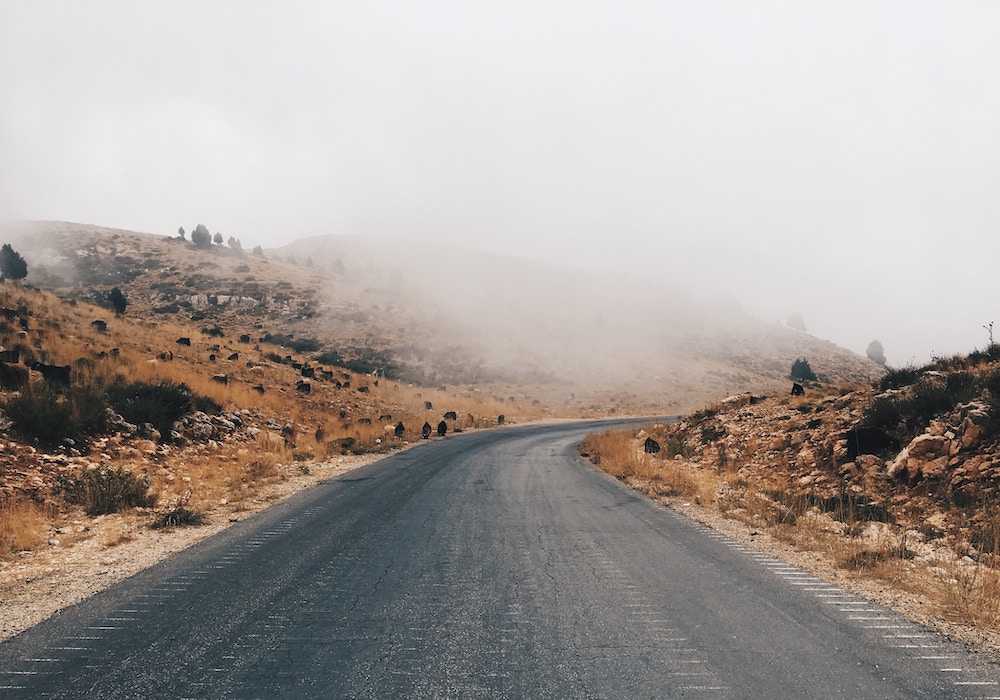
[[802, 371], [42, 414], [882, 413], [179, 517], [962, 388], [158, 403], [898, 378], [103, 491]]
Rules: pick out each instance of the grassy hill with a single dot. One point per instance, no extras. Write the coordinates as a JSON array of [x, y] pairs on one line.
[[572, 342]]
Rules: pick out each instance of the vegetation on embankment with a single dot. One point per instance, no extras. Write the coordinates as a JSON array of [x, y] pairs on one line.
[[109, 414], [895, 482]]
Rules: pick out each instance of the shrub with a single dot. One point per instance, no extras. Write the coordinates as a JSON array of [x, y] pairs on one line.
[[898, 378], [117, 300], [158, 403], [22, 525], [802, 371], [103, 491], [330, 357], [179, 517], [12, 265], [296, 344], [43, 414], [883, 413], [201, 237]]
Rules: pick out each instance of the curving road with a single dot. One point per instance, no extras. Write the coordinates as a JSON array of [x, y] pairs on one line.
[[486, 565]]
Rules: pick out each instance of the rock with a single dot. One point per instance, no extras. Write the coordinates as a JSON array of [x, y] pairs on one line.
[[971, 435], [927, 445]]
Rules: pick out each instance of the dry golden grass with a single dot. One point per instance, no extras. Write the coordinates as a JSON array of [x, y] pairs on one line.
[[23, 526], [950, 585], [323, 424], [619, 454]]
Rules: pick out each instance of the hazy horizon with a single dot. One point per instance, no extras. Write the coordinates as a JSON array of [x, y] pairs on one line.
[[833, 160]]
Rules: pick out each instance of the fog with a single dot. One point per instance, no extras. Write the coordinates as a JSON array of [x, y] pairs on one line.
[[835, 160]]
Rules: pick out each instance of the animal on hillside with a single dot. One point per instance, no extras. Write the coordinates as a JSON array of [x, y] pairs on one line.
[[651, 446], [56, 374], [385, 417], [288, 434], [13, 377], [500, 419], [235, 356], [320, 434], [100, 325], [442, 428], [400, 429], [303, 387], [363, 390], [259, 388], [451, 415], [425, 431], [428, 406], [220, 378], [797, 389], [184, 341], [245, 338], [308, 372]]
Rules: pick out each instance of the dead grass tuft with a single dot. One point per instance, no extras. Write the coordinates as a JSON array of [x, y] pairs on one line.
[[22, 526]]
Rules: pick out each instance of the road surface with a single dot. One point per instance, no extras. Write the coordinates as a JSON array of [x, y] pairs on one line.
[[485, 565]]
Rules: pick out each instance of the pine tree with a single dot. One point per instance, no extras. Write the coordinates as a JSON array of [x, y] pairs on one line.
[[12, 265], [117, 300]]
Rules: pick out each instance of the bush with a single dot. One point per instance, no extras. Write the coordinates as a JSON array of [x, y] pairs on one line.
[[296, 344], [43, 414], [802, 371], [883, 413], [158, 403], [12, 265], [898, 378], [103, 491], [179, 517], [201, 237]]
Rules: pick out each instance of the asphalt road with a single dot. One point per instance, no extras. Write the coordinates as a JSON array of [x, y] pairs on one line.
[[486, 565]]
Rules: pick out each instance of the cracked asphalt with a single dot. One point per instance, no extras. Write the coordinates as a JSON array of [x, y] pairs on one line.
[[485, 565]]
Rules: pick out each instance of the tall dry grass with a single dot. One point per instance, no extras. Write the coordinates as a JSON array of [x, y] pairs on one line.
[[952, 585], [618, 453], [23, 526]]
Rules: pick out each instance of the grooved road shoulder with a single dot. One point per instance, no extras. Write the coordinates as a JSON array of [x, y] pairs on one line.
[[485, 565]]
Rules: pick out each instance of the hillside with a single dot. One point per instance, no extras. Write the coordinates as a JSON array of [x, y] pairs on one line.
[[891, 487], [575, 343], [121, 433]]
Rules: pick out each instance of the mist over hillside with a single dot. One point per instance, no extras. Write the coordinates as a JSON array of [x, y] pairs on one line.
[[438, 315]]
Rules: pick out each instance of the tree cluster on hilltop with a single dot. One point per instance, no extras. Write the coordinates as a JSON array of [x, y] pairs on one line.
[[201, 237]]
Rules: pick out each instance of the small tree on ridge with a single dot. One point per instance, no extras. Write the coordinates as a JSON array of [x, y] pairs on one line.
[[12, 265]]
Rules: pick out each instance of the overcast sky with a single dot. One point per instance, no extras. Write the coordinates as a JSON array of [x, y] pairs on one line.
[[839, 160]]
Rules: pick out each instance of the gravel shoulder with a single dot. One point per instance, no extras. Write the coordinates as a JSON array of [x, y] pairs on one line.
[[975, 639]]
